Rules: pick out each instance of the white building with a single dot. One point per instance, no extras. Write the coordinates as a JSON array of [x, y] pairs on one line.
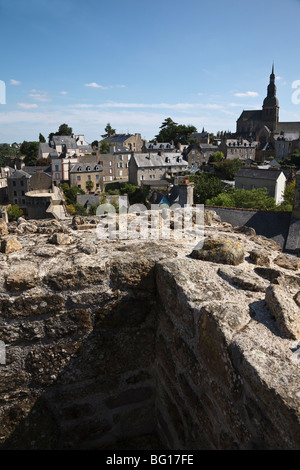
[[253, 178]]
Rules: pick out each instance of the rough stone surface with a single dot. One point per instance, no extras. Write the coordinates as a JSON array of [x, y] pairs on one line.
[[10, 245], [287, 262], [123, 339], [285, 310], [260, 257], [220, 250], [3, 227]]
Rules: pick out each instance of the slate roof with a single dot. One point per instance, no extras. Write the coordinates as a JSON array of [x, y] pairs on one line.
[[152, 160], [86, 167], [257, 173], [19, 174], [70, 142], [252, 115], [159, 145], [118, 138], [45, 148]]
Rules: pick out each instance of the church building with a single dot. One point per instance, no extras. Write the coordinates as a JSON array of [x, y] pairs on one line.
[[264, 125]]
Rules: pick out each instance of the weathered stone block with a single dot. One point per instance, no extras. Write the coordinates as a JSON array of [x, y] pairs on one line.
[[10, 245], [285, 310], [22, 277], [220, 250]]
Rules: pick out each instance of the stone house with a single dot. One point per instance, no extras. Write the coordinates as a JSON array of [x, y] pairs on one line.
[[198, 154], [132, 142], [83, 174], [18, 186], [238, 148], [64, 152], [21, 182], [252, 178], [154, 167]]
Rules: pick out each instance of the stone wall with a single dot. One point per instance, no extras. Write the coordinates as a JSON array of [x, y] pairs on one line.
[[112, 340]]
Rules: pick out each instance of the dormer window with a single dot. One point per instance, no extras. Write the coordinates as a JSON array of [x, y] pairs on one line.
[[79, 168], [88, 168]]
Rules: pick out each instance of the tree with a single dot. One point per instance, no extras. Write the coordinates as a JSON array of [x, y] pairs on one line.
[[14, 212], [42, 138], [70, 193], [227, 169], [30, 151], [245, 199], [206, 187], [216, 157], [89, 185], [63, 129], [104, 147], [109, 131], [95, 144], [178, 133]]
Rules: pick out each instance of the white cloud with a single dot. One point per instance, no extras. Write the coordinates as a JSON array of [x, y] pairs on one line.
[[27, 105], [63, 92], [96, 85], [14, 82], [251, 94], [177, 106], [40, 97]]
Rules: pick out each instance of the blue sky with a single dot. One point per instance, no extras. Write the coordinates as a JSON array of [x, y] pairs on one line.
[[134, 63]]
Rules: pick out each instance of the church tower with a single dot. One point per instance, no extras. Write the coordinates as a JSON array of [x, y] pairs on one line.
[[270, 113]]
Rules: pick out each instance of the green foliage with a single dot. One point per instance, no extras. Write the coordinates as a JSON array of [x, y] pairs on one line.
[[206, 186], [104, 147], [63, 129], [216, 157], [30, 150], [109, 131], [42, 138], [135, 193], [244, 199], [71, 193], [93, 208], [5, 152], [228, 168], [171, 131], [89, 185], [80, 210], [14, 212]]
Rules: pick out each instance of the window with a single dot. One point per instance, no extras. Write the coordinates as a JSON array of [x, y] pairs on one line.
[[14, 183], [15, 193], [56, 168], [89, 177], [78, 178], [121, 157], [79, 185], [22, 183], [97, 177], [104, 178], [57, 176], [110, 163], [23, 201], [23, 194], [111, 178], [121, 172], [110, 170]]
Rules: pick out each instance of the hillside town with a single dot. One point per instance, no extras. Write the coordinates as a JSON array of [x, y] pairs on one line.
[[68, 175]]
